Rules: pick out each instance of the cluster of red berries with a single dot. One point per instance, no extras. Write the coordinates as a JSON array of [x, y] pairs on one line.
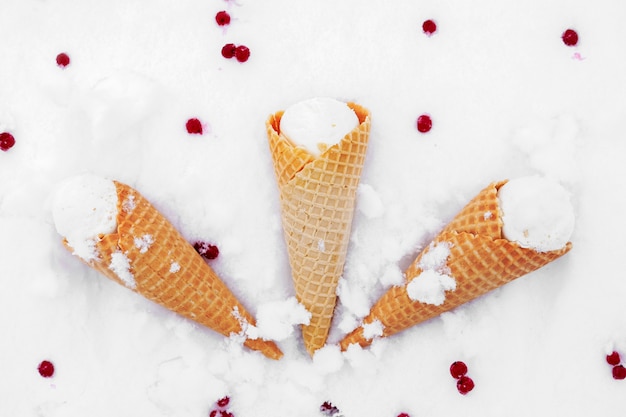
[[230, 50], [464, 383], [6, 141], [220, 409], [206, 250], [46, 369], [613, 359], [240, 52]]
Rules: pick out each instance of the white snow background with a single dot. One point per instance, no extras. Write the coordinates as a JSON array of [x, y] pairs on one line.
[[507, 98]]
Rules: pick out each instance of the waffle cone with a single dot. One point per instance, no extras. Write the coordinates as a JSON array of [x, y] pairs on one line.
[[317, 196], [480, 260], [166, 269]]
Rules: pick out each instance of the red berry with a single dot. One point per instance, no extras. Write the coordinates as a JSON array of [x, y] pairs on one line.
[[242, 53], [429, 27], [619, 372], [46, 369], [222, 18], [465, 384], [458, 369], [223, 402], [6, 141], [328, 409], [63, 60], [403, 415], [226, 414], [424, 123], [613, 358], [194, 126], [213, 413], [570, 37], [208, 251], [228, 50]]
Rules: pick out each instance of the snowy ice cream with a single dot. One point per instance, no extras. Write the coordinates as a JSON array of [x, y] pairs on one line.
[[85, 207], [537, 213], [318, 123]]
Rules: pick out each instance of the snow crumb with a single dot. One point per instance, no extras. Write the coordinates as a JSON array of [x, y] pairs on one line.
[[120, 264], [276, 320], [373, 329], [129, 204], [144, 243], [430, 286], [487, 215], [247, 330], [321, 245], [435, 257], [174, 267], [369, 202]]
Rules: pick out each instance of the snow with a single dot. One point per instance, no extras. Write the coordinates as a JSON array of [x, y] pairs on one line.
[[120, 265], [507, 98]]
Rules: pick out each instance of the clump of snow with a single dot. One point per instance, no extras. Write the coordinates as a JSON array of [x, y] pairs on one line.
[[537, 213], [431, 284], [318, 123], [120, 265], [84, 207], [373, 329], [174, 267], [143, 243], [276, 320], [430, 287]]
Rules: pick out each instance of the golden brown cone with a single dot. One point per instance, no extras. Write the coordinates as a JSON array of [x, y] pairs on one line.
[[168, 270], [480, 260], [317, 197]]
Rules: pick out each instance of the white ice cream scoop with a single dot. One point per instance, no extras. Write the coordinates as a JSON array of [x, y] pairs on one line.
[[537, 213], [318, 123], [83, 208]]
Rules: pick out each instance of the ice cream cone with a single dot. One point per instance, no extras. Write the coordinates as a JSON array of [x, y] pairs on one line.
[[148, 255], [317, 197], [479, 260]]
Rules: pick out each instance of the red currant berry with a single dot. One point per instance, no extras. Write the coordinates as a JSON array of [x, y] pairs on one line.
[[226, 414], [242, 53], [570, 37], [223, 402], [619, 372], [194, 126], [6, 141], [228, 50], [46, 369], [208, 251], [465, 384], [429, 27], [63, 60], [222, 18], [458, 369], [403, 415], [328, 409], [613, 358], [424, 123], [213, 413]]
